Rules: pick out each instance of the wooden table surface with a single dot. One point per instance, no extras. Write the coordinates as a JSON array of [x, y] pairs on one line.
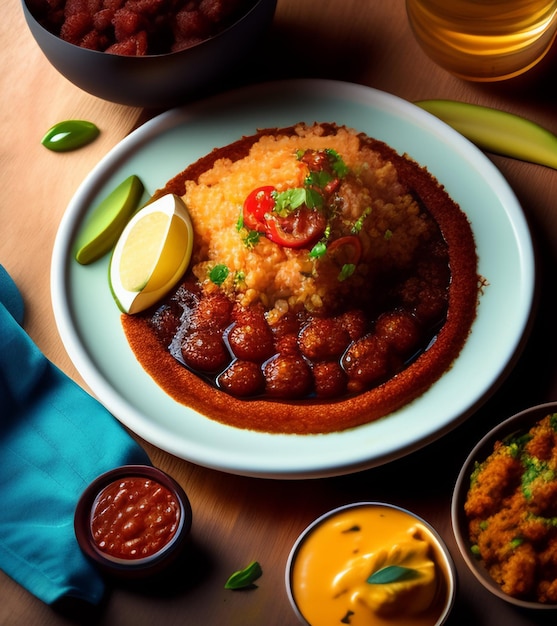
[[237, 519]]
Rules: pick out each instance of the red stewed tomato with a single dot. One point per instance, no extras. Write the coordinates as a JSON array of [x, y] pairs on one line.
[[258, 203], [300, 229]]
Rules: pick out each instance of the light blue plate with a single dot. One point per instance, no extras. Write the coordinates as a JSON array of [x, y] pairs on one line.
[[89, 322]]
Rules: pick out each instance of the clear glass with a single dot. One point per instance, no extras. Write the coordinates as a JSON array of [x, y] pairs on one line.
[[484, 40]]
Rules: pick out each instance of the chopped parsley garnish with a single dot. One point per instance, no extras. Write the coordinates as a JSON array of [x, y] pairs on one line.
[[318, 250], [218, 274], [517, 541], [339, 166], [534, 469], [318, 179], [288, 201], [357, 227], [251, 239], [347, 270]]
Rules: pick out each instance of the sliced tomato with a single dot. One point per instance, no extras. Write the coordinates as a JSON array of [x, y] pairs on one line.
[[258, 203], [345, 250], [301, 229]]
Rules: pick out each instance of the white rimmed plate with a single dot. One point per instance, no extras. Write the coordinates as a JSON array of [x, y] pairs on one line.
[[89, 321]]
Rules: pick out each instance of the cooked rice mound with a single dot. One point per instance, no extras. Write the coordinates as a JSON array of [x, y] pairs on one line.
[[282, 278], [397, 210]]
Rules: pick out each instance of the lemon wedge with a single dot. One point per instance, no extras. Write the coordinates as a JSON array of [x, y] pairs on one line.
[[151, 254]]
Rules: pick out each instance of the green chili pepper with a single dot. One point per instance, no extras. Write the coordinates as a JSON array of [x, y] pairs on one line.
[[245, 577], [70, 135]]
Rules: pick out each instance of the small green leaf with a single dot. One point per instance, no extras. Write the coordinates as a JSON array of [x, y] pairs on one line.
[[245, 577], [289, 200], [392, 574], [251, 239], [318, 250], [218, 274], [70, 135], [347, 270], [339, 166]]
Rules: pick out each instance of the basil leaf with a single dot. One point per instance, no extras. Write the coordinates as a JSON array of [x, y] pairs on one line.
[[245, 577], [339, 166], [392, 574], [289, 200]]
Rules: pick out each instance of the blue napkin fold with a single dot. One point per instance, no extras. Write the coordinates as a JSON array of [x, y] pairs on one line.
[[54, 440]]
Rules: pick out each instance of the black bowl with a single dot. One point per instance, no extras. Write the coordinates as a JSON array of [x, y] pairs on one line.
[[131, 568], [162, 80]]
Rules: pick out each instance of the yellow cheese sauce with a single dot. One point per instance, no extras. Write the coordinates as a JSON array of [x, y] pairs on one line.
[[332, 567]]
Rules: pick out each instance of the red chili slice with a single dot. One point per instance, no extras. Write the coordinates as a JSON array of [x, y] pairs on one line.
[[346, 250], [258, 203]]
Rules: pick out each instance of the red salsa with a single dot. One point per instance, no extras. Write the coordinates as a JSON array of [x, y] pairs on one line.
[[134, 518]]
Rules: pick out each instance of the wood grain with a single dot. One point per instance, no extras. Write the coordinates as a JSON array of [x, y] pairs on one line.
[[238, 519]]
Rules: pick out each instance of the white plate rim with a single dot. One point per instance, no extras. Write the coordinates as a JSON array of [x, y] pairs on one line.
[[291, 456]]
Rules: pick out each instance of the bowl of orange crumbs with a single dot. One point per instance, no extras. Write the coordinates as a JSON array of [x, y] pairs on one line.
[[147, 53], [504, 509]]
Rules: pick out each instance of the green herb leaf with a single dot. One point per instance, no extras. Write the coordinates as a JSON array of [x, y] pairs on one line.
[[289, 200], [347, 270], [245, 577], [292, 199], [218, 274], [392, 574], [360, 221], [251, 239], [339, 166], [318, 250], [318, 179]]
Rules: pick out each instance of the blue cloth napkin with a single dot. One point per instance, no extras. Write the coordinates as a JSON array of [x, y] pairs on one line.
[[54, 440]]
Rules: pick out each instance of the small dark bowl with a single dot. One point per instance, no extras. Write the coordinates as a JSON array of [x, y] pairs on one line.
[[443, 558], [132, 568], [522, 421], [163, 80]]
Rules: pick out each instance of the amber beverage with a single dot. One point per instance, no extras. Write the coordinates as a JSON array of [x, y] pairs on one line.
[[484, 40]]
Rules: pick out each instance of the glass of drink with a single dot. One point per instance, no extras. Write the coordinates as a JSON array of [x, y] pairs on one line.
[[484, 40]]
